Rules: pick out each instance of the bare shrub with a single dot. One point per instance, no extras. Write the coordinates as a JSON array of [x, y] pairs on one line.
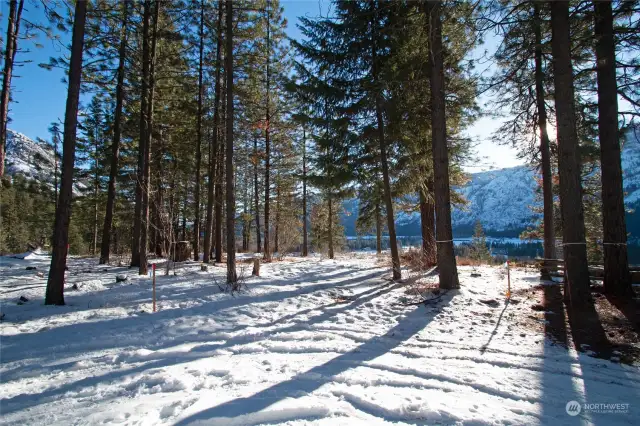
[[416, 260]]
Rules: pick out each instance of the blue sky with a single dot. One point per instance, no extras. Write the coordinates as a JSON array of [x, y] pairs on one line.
[[39, 95]]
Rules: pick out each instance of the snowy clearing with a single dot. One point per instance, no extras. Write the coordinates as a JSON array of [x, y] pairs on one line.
[[310, 342]]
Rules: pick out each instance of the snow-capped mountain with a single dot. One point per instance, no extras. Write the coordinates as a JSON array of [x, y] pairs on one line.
[[33, 159], [502, 199]]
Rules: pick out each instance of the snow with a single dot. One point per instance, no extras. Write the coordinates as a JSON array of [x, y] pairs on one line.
[[315, 341]]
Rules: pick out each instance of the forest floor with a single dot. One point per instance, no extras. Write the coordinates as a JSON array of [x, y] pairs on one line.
[[311, 341]]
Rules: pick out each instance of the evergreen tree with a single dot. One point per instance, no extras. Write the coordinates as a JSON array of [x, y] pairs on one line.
[[617, 279], [479, 249], [574, 243], [55, 283]]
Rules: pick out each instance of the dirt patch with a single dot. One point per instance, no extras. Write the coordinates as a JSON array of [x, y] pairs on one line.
[[606, 329]]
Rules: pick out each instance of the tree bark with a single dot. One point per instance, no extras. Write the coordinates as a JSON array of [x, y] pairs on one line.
[[213, 160], [427, 226], [447, 268], [545, 152], [378, 229], [230, 192], [144, 231], [144, 89], [55, 283], [267, 146], [305, 238], [388, 198], [13, 27], [330, 227], [105, 247], [256, 195], [96, 188], [221, 175], [617, 280], [276, 248], [575, 249], [196, 196]]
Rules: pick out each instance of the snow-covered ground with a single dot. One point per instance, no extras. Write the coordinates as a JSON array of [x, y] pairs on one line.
[[310, 342]]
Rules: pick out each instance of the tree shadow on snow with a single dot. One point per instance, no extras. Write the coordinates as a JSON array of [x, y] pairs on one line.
[[245, 410], [585, 379], [134, 293], [164, 359]]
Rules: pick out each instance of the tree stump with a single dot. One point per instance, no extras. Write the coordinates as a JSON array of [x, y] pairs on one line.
[[256, 267], [182, 252]]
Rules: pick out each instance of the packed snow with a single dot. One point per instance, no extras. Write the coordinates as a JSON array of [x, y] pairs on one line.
[[311, 341]]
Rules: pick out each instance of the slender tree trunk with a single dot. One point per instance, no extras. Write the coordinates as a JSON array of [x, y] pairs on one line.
[[256, 195], [447, 268], [246, 224], [267, 146], [115, 144], [617, 280], [545, 152], [330, 227], [13, 29], [184, 218], [96, 187], [277, 225], [196, 196], [305, 238], [221, 174], [55, 170], [144, 93], [144, 231], [214, 168], [388, 198], [575, 249], [378, 229], [55, 283], [231, 201], [427, 225]]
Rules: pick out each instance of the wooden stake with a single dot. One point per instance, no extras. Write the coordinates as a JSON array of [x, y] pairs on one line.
[[154, 287], [508, 281]]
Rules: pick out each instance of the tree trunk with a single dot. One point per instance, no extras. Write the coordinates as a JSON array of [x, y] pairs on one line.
[[305, 238], [13, 27], [246, 224], [330, 227], [256, 195], [427, 226], [617, 280], [388, 198], [575, 249], [144, 89], [210, 236], [276, 248], [221, 174], [378, 229], [96, 188], [144, 230], [55, 170], [196, 195], [447, 268], [545, 153], [55, 282], [267, 147], [115, 144], [230, 192]]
